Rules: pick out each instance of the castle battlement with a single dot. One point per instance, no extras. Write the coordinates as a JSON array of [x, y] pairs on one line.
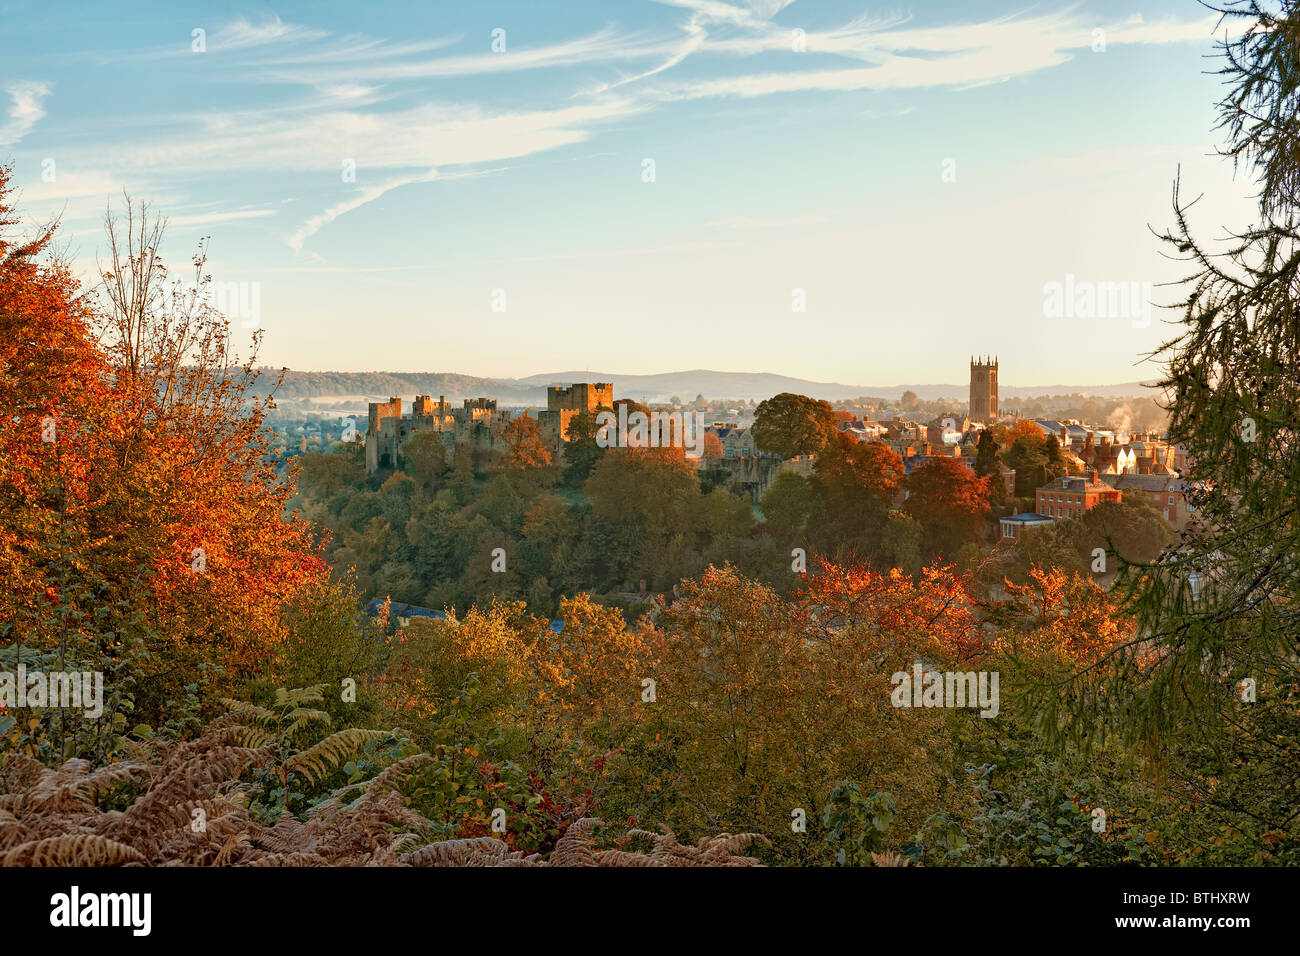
[[565, 402], [477, 424]]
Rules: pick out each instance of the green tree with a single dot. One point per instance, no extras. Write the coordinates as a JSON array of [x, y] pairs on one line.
[[1223, 607], [786, 505], [1028, 457], [986, 455], [581, 452], [788, 425]]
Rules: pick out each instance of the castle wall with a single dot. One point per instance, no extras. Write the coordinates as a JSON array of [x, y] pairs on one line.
[[581, 397], [478, 426]]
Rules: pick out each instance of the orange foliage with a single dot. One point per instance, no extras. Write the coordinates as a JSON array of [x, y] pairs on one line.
[[152, 492], [1068, 613], [526, 448]]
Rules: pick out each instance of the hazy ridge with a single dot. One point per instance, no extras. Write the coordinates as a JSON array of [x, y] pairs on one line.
[[303, 386]]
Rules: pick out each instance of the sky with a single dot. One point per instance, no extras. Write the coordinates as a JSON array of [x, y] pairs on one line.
[[833, 190]]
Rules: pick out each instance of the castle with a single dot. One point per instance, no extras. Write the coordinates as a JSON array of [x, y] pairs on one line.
[[563, 402], [983, 389], [477, 425]]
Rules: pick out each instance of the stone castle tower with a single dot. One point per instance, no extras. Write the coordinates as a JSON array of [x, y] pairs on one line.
[[564, 402], [983, 389]]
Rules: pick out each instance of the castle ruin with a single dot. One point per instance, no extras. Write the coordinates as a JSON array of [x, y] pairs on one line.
[[477, 425], [564, 402]]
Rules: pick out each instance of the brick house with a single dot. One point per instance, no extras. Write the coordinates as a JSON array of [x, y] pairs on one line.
[[1167, 493], [1070, 496]]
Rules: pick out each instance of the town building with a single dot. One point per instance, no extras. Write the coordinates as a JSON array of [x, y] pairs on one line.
[[1167, 493], [1014, 526], [1070, 496], [737, 441]]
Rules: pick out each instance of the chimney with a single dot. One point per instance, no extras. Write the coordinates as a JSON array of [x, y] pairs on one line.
[[1092, 476]]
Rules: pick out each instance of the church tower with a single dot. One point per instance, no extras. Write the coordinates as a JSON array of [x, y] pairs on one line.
[[983, 389]]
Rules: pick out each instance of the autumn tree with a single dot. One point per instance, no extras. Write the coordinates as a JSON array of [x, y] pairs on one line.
[[154, 496], [950, 502], [525, 450], [743, 679], [856, 481], [63, 600]]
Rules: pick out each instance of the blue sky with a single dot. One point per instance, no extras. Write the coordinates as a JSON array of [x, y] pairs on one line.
[[918, 173]]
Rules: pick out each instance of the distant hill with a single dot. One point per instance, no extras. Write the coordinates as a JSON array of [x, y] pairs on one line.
[[380, 386], [761, 385], [756, 386]]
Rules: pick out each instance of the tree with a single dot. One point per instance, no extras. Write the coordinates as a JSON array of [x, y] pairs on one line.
[[856, 482], [59, 425], [581, 451], [1132, 528], [424, 458], [526, 452], [901, 543], [1024, 428], [745, 679], [1234, 380], [1054, 464], [193, 462], [1027, 456], [986, 455], [652, 489], [157, 495], [950, 502], [787, 504], [790, 425]]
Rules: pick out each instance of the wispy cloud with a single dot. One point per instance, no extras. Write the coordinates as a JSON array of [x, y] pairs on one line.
[[73, 185], [371, 99], [889, 52], [315, 223], [392, 63], [26, 107], [210, 218], [242, 34]]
